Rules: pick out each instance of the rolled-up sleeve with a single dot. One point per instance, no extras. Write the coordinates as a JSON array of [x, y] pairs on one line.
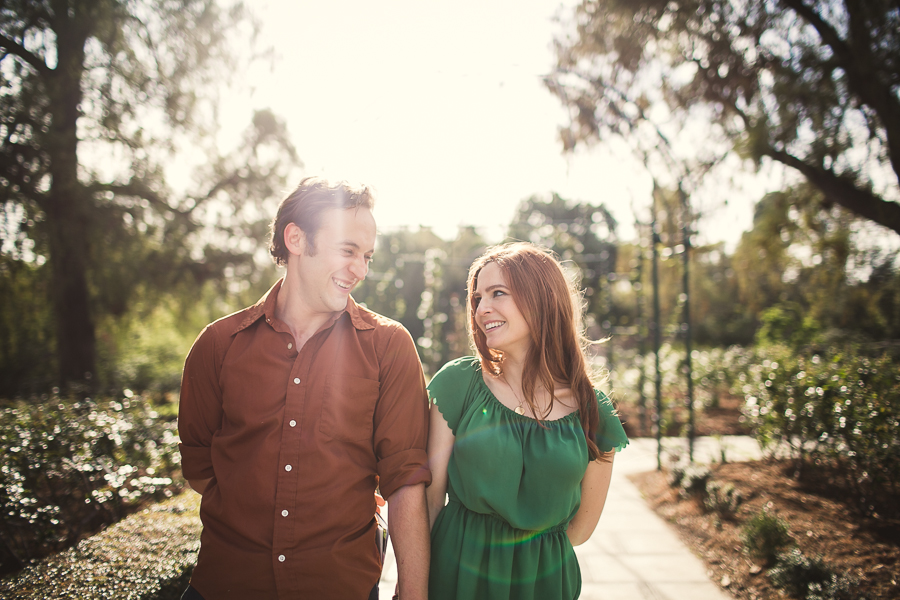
[[200, 407], [401, 417]]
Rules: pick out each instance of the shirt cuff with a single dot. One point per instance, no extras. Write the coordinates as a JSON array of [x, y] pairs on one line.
[[196, 462], [404, 468]]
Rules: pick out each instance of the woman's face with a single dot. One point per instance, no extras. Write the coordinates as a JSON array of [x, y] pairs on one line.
[[497, 314]]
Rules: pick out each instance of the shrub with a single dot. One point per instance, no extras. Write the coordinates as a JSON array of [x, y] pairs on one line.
[[69, 467], [675, 474], [765, 536], [841, 409], [723, 500], [148, 555], [810, 578], [693, 481]]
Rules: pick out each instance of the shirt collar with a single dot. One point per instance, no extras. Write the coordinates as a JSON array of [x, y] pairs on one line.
[[265, 306]]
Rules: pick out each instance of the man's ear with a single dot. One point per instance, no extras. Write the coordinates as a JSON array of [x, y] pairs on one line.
[[294, 239]]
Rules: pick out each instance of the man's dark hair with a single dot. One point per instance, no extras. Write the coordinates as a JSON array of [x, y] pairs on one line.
[[305, 205]]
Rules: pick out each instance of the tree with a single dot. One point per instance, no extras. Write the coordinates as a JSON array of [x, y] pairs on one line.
[[812, 85], [419, 279], [581, 233], [97, 96], [802, 272]]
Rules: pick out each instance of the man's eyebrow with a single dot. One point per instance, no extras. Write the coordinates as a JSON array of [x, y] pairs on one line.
[[352, 244]]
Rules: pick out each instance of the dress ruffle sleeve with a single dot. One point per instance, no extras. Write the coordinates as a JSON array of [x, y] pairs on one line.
[[449, 389], [610, 434]]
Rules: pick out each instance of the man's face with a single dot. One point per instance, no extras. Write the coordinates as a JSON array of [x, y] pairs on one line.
[[344, 246]]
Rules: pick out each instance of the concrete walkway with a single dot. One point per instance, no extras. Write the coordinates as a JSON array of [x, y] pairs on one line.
[[634, 554]]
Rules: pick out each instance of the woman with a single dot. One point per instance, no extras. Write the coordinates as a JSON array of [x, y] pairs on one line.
[[520, 441]]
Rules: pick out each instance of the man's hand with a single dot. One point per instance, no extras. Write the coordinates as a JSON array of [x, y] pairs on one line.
[[408, 524]]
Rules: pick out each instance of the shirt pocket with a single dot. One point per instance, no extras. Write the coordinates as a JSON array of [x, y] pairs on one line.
[[348, 407]]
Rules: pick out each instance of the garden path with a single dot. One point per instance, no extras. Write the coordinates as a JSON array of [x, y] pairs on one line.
[[633, 553]]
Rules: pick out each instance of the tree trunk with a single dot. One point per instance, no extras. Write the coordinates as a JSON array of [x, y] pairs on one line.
[[68, 216], [75, 340]]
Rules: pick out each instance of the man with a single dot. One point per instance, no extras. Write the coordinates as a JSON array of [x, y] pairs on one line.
[[291, 408]]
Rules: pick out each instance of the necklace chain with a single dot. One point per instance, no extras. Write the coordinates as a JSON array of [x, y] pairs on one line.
[[519, 410]]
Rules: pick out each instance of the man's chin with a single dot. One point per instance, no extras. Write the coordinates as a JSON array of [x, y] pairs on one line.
[[339, 303]]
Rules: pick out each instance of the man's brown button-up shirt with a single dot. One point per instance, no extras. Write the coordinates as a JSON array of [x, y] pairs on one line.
[[293, 442]]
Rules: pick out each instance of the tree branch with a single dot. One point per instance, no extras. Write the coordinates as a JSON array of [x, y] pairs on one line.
[[17, 49], [860, 66], [842, 190], [139, 190], [231, 181]]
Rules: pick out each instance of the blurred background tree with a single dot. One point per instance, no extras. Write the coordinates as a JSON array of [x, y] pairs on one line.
[[584, 237], [811, 85], [99, 97]]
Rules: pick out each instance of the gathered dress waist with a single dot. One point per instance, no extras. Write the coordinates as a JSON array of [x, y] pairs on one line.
[[529, 533]]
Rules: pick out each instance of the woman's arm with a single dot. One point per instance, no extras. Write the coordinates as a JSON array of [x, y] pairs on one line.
[[594, 488], [440, 445]]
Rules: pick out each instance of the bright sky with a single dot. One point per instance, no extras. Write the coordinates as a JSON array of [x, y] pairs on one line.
[[439, 106]]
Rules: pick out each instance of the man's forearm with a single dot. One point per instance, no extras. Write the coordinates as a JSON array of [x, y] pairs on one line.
[[411, 539]]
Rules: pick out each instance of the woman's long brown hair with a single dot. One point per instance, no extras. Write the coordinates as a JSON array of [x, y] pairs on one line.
[[552, 308]]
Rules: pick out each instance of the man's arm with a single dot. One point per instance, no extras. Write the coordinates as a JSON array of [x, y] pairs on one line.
[[199, 485], [199, 411], [408, 525]]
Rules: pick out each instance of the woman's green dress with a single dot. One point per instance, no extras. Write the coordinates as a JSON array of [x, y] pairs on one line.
[[513, 487]]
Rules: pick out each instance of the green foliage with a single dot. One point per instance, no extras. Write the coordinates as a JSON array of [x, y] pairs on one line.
[[147, 556], [722, 499], [810, 578], [98, 103], [716, 371], [839, 409], [765, 536], [584, 237], [67, 467], [788, 81], [27, 359], [785, 323], [808, 271], [420, 280]]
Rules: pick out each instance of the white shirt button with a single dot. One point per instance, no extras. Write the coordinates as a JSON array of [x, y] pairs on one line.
[[290, 345], [281, 558], [284, 513], [296, 380], [293, 423], [288, 467]]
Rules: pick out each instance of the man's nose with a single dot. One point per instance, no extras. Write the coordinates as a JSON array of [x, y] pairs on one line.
[[360, 268]]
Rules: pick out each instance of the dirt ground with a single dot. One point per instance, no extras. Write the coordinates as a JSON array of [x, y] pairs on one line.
[[822, 523], [723, 419]]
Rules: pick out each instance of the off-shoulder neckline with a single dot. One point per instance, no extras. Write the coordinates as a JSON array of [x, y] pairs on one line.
[[479, 375]]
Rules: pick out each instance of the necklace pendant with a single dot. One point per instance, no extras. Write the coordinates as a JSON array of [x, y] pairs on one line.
[[520, 410]]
